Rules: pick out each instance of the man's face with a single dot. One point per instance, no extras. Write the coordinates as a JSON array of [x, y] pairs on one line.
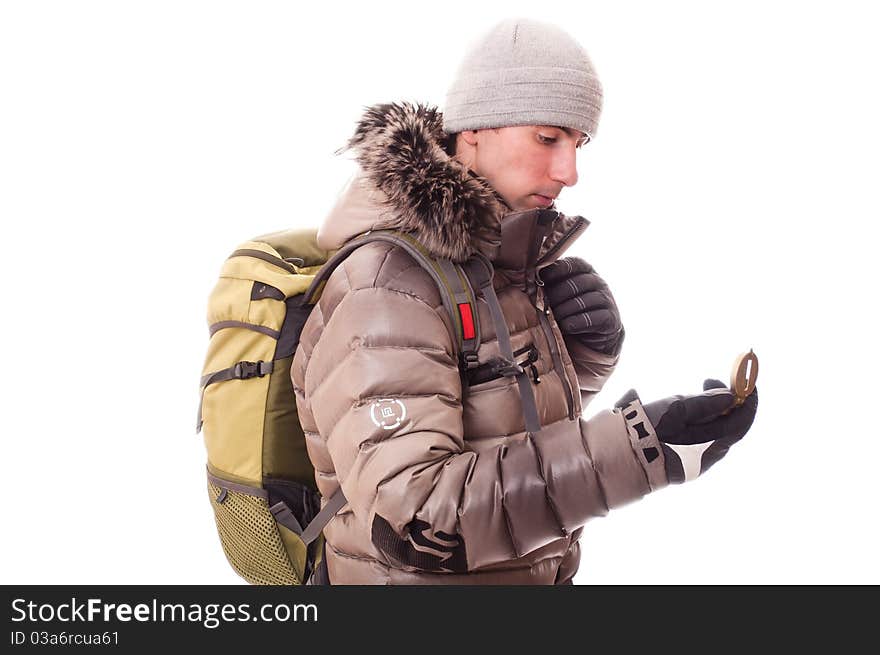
[[528, 165]]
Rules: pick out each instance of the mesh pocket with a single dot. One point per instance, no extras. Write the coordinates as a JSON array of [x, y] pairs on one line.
[[250, 537]]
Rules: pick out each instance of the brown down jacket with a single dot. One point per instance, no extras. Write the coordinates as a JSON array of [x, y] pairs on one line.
[[450, 488]]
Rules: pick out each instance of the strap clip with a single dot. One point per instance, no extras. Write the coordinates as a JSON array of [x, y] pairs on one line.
[[247, 370], [507, 368], [471, 360]]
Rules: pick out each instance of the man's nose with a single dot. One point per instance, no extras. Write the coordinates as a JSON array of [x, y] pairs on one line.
[[564, 167]]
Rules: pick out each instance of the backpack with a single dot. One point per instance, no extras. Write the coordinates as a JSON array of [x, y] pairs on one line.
[[261, 485]]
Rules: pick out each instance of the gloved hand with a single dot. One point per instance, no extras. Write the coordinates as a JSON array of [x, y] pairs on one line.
[[691, 429], [583, 305]]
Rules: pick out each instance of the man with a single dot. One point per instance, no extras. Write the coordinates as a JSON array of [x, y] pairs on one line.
[[485, 478]]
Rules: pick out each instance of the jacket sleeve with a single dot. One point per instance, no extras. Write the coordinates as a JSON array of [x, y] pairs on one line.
[[592, 367], [385, 394]]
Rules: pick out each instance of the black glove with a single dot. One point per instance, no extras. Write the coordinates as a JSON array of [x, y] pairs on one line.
[[583, 305], [691, 429]]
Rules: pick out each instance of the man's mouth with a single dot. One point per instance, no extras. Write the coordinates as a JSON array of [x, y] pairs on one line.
[[544, 201]]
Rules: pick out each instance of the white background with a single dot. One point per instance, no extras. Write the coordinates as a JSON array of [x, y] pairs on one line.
[[732, 190]]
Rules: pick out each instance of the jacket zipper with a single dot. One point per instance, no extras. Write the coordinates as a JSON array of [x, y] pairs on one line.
[[558, 366], [557, 360]]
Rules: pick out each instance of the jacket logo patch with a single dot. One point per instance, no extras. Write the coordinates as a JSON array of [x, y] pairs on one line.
[[388, 413]]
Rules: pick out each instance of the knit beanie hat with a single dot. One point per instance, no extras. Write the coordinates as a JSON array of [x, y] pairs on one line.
[[524, 72]]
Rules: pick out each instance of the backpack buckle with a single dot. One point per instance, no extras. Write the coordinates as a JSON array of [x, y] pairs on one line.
[[471, 360], [246, 370], [506, 368]]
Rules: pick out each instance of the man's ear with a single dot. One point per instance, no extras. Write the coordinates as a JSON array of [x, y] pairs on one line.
[[469, 137]]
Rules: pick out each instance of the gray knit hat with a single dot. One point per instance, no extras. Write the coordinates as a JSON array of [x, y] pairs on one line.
[[524, 72]]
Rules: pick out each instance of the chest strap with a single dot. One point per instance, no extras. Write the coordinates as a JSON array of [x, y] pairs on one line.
[[479, 270]]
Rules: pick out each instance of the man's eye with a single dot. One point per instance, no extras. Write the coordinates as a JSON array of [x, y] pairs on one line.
[[546, 139]]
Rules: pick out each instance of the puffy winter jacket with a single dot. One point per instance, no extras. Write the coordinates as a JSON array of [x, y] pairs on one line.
[[444, 484]]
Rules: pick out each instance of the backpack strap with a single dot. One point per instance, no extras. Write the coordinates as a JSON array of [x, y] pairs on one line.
[[480, 270], [455, 288], [322, 518], [458, 299]]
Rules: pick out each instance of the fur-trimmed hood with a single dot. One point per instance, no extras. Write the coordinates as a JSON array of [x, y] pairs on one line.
[[407, 182]]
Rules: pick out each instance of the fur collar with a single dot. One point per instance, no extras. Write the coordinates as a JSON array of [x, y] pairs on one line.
[[450, 210], [407, 182]]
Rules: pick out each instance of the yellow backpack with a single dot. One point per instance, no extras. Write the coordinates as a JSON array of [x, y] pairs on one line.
[[261, 483]]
